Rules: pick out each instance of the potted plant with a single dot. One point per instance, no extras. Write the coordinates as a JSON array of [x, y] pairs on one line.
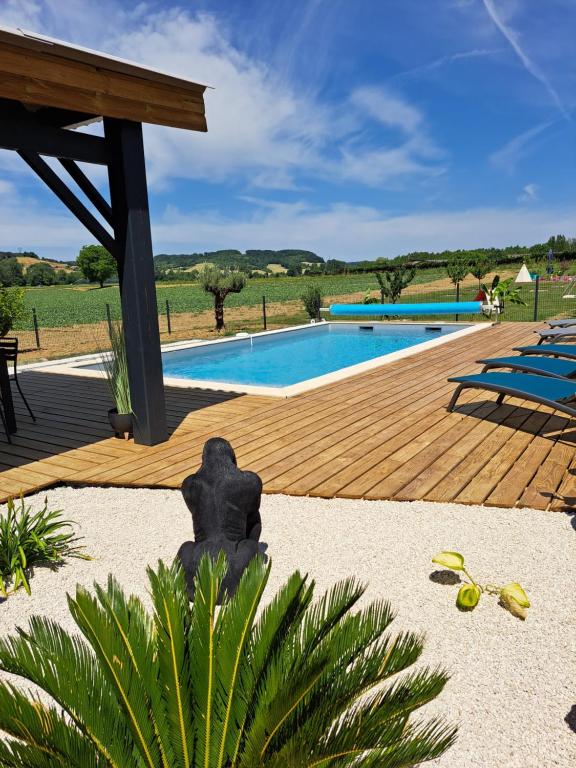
[[501, 290], [115, 367]]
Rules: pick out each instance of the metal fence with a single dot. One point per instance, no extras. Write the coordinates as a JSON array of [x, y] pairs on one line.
[[544, 298]]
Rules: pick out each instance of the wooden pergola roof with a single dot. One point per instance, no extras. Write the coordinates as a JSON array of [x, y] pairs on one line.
[[42, 73], [48, 87]]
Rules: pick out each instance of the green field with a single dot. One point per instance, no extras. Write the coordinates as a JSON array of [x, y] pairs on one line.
[[66, 306], [63, 306]]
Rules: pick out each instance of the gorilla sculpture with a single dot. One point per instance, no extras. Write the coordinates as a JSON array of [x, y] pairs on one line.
[[225, 506]]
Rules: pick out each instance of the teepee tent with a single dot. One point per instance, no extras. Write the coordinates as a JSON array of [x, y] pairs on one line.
[[523, 276]]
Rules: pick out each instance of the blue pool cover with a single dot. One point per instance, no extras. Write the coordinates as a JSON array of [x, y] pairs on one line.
[[402, 310]]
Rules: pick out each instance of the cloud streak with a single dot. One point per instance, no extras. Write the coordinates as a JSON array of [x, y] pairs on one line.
[[508, 156], [443, 61], [531, 67]]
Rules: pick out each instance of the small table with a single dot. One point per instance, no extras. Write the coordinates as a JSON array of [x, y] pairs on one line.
[[6, 395]]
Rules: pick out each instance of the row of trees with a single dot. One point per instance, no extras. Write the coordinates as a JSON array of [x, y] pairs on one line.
[[93, 264]]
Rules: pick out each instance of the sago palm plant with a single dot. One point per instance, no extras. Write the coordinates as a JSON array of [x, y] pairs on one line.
[[300, 685]]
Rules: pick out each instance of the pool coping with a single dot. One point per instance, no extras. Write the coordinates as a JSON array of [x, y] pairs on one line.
[[72, 365]]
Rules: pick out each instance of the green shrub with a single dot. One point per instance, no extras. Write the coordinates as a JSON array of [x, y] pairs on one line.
[[191, 686], [31, 538], [312, 300], [394, 281], [11, 308]]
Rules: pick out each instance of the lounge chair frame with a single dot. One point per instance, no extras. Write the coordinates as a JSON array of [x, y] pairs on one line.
[[512, 392]]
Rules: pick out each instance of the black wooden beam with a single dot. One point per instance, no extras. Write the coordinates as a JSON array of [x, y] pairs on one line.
[[10, 109], [101, 205], [55, 183], [30, 136], [129, 196]]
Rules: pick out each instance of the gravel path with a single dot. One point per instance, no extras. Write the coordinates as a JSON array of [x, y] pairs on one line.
[[513, 685]]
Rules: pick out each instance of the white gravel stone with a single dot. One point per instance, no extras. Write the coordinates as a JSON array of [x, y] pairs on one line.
[[513, 683]]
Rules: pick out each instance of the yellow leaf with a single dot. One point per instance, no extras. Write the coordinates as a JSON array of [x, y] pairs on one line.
[[468, 596], [515, 591], [452, 560]]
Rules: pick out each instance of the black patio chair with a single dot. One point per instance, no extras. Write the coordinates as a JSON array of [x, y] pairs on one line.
[[9, 349]]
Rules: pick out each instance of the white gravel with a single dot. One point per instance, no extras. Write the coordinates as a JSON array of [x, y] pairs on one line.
[[513, 683]]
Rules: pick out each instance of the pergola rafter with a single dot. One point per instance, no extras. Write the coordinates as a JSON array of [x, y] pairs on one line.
[[47, 88]]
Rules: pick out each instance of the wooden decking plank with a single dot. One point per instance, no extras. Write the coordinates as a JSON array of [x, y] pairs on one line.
[[384, 433], [508, 417], [499, 464], [414, 459]]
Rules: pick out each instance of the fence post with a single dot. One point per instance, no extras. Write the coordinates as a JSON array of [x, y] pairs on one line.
[[109, 318], [457, 297], [168, 316], [536, 291], [264, 311], [36, 331]]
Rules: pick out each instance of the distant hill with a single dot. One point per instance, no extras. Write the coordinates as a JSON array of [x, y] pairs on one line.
[[250, 260], [27, 258]]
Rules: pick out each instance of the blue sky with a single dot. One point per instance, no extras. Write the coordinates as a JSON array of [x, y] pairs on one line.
[[354, 128]]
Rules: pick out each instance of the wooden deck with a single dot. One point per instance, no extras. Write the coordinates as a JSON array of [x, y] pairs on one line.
[[384, 434]]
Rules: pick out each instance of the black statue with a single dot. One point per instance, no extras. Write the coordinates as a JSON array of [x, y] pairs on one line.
[[225, 506]]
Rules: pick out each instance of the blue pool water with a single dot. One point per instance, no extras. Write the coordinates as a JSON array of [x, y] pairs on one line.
[[281, 359]]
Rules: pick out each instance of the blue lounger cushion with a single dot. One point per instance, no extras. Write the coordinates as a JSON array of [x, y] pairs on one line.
[[559, 350], [556, 393], [545, 366]]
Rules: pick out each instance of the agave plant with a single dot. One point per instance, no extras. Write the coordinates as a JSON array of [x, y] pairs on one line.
[[29, 539], [191, 686], [115, 367]]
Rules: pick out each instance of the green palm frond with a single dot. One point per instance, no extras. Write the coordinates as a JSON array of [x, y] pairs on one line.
[[296, 684]]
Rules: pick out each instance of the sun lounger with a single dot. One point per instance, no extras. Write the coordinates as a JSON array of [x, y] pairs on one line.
[[556, 333], [567, 322], [556, 367], [554, 350], [556, 393]]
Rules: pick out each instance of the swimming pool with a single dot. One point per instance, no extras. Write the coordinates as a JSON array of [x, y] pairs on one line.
[[292, 360]]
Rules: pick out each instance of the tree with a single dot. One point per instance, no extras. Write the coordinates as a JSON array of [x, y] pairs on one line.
[[40, 274], [312, 300], [12, 309], [11, 273], [189, 685], [393, 281], [96, 264], [220, 283], [457, 269], [480, 265]]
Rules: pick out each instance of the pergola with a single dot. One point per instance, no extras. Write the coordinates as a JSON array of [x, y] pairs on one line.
[[48, 88]]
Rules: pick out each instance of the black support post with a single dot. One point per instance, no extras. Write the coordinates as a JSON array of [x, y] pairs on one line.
[[36, 331], [264, 311], [133, 252], [168, 316]]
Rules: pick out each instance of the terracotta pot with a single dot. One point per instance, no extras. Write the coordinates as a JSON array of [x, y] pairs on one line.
[[121, 423]]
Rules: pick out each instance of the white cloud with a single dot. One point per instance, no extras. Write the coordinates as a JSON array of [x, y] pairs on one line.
[[355, 232], [529, 193], [531, 66], [338, 231], [387, 108], [262, 129]]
